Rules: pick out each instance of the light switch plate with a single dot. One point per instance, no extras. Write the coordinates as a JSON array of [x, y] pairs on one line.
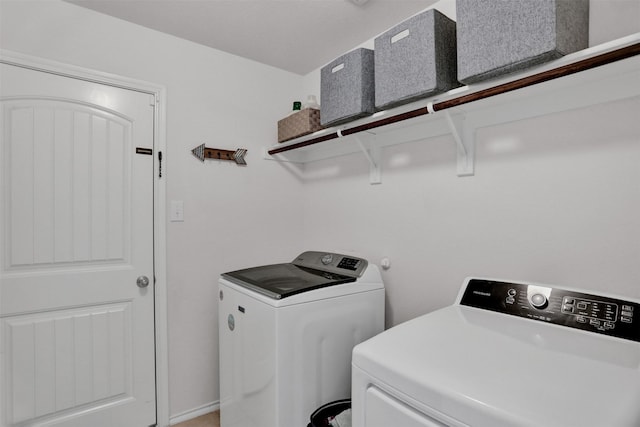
[[177, 211]]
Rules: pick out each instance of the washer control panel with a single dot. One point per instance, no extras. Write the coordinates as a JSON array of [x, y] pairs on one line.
[[574, 309], [332, 263]]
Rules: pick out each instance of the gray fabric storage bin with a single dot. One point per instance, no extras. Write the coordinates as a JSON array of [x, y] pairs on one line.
[[347, 88], [415, 59], [496, 37]]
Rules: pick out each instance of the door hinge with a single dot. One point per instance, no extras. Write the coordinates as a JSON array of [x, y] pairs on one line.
[[159, 164]]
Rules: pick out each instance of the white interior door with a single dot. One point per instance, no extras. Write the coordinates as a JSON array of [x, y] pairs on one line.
[[76, 231]]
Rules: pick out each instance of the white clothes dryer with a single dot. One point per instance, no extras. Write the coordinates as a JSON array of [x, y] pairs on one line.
[[506, 354], [287, 332]]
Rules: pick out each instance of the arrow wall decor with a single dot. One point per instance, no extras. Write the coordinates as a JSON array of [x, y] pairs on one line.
[[203, 152]]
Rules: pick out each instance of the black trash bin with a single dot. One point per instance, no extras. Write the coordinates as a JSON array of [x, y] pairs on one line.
[[322, 415]]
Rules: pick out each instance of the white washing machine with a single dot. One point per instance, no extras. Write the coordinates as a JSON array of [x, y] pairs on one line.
[[505, 354], [286, 336]]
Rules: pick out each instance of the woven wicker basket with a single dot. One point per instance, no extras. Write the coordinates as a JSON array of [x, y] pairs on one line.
[[298, 124]]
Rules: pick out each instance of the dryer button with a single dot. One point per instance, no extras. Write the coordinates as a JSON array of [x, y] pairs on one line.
[[539, 301]]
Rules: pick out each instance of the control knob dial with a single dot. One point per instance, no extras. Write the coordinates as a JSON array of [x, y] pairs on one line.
[[538, 301], [327, 259]]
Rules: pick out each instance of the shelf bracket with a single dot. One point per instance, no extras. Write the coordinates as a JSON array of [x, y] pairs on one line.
[[464, 135], [373, 155]]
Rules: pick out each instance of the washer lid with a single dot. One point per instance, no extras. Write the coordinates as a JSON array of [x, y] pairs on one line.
[[309, 271]]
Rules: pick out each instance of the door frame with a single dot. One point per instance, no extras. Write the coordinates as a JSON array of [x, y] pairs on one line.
[[158, 92]]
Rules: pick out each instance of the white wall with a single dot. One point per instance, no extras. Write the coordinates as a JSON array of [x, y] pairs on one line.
[[554, 199], [234, 216]]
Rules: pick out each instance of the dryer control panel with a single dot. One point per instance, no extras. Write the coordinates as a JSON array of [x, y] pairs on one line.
[[570, 308]]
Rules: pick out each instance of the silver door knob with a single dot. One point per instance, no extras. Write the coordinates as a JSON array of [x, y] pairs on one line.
[[142, 281]]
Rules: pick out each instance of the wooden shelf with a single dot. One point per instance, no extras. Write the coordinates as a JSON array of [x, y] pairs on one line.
[[597, 75]]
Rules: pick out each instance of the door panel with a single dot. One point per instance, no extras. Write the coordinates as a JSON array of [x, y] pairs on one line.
[[68, 172], [65, 359], [76, 230]]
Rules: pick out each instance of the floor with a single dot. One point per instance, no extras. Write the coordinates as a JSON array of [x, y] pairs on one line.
[[211, 419]]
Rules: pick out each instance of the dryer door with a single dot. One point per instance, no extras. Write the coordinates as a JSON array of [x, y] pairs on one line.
[[375, 404], [383, 410]]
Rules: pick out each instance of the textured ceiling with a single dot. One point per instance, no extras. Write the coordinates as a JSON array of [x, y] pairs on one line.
[[294, 35]]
